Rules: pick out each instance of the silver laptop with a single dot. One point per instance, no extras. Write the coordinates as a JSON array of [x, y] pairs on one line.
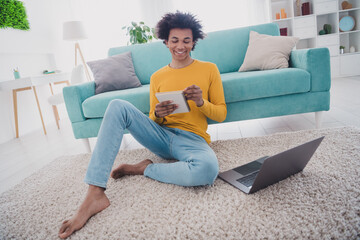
[[266, 171]]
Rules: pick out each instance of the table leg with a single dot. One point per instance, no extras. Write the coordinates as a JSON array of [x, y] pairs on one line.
[[37, 101], [51, 89], [15, 112], [14, 91]]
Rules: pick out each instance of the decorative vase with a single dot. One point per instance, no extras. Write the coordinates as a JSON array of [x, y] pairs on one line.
[[298, 7], [16, 74], [341, 51], [352, 49]]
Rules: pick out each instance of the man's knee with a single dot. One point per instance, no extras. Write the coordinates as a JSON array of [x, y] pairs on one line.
[[115, 104], [117, 110], [211, 169], [205, 173], [119, 107]]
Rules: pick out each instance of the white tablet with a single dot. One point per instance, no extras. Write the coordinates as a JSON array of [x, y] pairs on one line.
[[177, 97]]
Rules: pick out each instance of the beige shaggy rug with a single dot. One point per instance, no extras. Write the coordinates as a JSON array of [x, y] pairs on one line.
[[322, 202]]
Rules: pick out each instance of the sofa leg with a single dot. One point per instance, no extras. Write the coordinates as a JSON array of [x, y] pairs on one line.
[[318, 119], [86, 142]]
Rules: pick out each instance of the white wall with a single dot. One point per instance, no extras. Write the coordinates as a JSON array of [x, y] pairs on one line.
[[42, 47], [225, 14]]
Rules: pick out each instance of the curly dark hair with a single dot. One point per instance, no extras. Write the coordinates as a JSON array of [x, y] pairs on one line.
[[179, 20]]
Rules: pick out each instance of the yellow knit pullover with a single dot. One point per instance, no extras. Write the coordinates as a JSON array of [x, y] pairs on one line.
[[203, 74]]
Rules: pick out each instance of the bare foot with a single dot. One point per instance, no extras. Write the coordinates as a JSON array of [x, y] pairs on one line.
[[95, 202], [128, 169]]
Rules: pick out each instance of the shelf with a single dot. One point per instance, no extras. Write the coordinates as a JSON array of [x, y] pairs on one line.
[[348, 10], [327, 13], [331, 19], [307, 28], [348, 54], [282, 20], [327, 35], [353, 31], [296, 17], [279, 1]]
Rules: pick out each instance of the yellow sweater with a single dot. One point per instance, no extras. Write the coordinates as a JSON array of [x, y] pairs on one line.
[[207, 77]]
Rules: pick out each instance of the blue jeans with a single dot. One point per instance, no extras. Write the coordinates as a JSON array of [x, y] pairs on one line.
[[197, 163]]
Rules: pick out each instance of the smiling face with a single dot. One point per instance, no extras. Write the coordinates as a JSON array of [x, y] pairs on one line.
[[180, 44]]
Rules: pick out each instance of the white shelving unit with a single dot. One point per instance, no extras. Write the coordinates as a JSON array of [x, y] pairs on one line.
[[307, 28]]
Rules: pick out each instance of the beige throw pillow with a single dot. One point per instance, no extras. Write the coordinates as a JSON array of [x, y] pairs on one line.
[[267, 52]]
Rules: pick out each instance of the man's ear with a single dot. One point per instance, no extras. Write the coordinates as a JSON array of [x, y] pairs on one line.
[[166, 43], [194, 43]]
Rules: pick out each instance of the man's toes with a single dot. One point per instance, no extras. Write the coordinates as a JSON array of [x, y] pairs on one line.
[[67, 233], [65, 230], [113, 174], [63, 227]]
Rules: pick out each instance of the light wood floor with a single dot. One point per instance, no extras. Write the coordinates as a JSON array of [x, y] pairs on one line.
[[19, 158]]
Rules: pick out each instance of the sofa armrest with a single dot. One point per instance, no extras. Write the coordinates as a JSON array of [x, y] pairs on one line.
[[317, 62], [74, 96]]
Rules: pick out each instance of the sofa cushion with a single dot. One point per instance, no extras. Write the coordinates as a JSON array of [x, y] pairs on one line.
[[238, 86], [241, 86], [114, 73], [267, 52], [95, 106]]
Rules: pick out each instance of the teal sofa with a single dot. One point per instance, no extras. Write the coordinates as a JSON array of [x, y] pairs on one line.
[[301, 88]]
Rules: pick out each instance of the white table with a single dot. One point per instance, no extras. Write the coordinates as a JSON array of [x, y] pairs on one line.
[[29, 83]]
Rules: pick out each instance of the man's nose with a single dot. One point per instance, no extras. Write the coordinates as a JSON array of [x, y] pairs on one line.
[[180, 46]]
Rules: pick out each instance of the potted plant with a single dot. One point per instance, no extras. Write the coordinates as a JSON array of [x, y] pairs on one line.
[[342, 49], [139, 33]]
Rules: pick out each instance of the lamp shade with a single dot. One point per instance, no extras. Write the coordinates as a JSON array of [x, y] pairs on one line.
[[74, 30]]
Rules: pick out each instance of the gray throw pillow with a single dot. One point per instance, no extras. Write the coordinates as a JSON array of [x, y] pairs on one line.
[[114, 73]]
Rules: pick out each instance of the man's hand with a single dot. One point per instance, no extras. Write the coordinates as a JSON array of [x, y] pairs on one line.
[[165, 108], [194, 93]]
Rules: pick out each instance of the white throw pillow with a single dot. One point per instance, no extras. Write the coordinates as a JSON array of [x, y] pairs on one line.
[[267, 52]]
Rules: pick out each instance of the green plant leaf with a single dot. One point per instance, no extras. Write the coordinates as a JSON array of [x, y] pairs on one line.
[[139, 33], [13, 15]]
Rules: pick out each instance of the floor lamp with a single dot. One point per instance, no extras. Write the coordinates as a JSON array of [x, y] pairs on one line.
[[75, 31]]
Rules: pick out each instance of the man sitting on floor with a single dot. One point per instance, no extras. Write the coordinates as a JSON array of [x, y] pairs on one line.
[[180, 136]]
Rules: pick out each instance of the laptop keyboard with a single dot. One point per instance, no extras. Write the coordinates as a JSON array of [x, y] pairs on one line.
[[248, 168], [248, 180]]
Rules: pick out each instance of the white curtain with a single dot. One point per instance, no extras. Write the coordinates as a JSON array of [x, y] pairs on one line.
[[214, 14]]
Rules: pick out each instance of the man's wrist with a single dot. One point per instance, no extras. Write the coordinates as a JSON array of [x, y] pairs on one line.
[[202, 103]]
